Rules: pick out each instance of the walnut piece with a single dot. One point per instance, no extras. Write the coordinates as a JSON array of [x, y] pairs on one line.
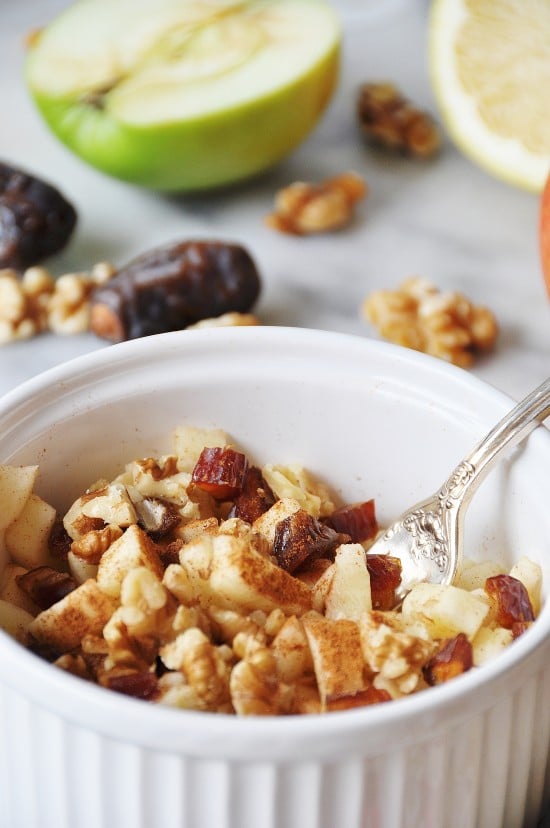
[[388, 119], [109, 505], [206, 667], [446, 325], [304, 208], [395, 650], [227, 320], [293, 481], [69, 305], [159, 468], [141, 622], [23, 303], [256, 688], [91, 546], [37, 302]]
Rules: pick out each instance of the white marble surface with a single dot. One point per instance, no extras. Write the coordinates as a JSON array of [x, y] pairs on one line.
[[446, 220]]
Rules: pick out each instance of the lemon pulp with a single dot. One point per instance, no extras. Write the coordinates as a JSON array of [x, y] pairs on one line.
[[490, 66]]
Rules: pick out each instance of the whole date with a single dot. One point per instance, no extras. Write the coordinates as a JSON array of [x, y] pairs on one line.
[[36, 221], [174, 286]]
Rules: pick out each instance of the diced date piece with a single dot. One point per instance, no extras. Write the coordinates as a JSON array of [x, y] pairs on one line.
[[171, 287], [220, 472], [372, 695], [43, 650], [453, 658], [157, 516], [138, 685], [511, 600], [519, 627], [358, 520], [300, 537], [169, 553], [45, 586], [36, 221], [255, 497], [385, 577], [59, 541]]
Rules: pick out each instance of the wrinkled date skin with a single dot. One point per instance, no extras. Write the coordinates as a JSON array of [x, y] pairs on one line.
[[36, 221], [172, 287]]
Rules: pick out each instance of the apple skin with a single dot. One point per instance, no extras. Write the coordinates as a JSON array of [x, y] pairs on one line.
[[544, 233], [199, 154]]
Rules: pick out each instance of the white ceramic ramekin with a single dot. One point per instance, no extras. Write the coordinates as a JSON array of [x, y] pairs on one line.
[[375, 421]]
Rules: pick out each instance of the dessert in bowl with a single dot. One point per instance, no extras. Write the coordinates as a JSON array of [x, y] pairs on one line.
[[373, 421]]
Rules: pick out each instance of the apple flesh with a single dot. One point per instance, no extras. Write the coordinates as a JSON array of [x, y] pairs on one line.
[[16, 485], [544, 234], [181, 95], [27, 536]]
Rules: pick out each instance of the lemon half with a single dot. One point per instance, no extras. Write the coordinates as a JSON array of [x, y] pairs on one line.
[[490, 69]]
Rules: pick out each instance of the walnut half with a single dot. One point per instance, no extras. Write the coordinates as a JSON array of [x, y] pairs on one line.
[[303, 208], [388, 119], [446, 325]]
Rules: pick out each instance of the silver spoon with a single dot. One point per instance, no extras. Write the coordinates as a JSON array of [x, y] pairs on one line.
[[427, 539]]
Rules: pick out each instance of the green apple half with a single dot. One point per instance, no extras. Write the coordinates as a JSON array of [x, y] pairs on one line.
[[185, 94]]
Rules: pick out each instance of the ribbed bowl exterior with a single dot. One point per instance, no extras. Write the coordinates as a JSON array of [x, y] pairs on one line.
[[489, 771]]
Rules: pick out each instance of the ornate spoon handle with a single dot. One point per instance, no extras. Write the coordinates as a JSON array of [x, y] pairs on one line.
[[511, 430]]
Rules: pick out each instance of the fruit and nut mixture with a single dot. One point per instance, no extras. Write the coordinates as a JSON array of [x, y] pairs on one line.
[[202, 581]]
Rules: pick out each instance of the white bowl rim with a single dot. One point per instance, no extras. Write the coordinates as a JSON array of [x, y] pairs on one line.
[[264, 737]]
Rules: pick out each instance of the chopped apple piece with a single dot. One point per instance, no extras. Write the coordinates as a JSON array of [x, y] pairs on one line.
[[266, 524], [27, 536], [63, 625], [16, 485], [337, 656], [530, 575], [247, 580], [80, 569], [15, 621], [474, 575], [446, 610], [189, 443], [291, 650], [489, 642], [134, 548], [349, 594]]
